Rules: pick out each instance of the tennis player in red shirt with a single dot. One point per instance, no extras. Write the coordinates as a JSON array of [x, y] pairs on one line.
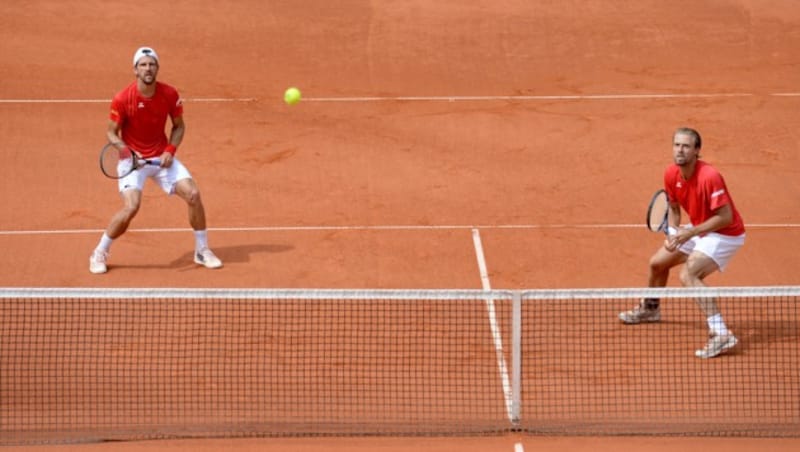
[[715, 233], [138, 119]]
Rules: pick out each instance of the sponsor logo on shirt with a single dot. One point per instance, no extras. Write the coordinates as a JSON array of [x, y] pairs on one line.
[[719, 192]]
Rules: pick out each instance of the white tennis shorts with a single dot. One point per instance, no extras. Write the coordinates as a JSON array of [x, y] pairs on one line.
[[166, 178], [718, 247]]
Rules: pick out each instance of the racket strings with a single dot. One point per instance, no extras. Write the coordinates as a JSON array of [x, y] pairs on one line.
[[658, 213], [115, 162], [124, 153]]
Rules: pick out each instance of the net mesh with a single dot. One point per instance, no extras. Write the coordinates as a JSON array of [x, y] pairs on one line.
[[100, 364], [584, 373]]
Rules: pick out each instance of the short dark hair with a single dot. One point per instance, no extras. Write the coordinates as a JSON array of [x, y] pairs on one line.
[[698, 141]]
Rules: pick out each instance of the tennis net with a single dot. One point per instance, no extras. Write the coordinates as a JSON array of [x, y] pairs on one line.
[[118, 364]]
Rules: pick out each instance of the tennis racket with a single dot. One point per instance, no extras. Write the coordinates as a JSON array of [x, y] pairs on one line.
[[116, 164], [658, 213]]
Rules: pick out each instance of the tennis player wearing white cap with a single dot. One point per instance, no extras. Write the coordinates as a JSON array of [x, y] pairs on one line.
[[137, 120]]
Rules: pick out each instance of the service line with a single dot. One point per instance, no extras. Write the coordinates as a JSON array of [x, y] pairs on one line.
[[398, 227]]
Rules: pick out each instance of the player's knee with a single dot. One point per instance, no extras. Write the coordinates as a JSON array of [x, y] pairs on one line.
[[123, 218], [193, 197], [130, 211], [690, 275], [684, 276], [658, 265]]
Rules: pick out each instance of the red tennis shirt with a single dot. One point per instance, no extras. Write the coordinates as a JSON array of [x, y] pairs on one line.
[[701, 195], [142, 119]]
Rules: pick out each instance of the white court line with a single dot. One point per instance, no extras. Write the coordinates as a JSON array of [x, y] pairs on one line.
[[476, 240], [543, 97], [497, 338], [527, 97], [409, 227]]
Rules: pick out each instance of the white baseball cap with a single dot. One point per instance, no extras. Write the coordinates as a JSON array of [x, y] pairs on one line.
[[143, 52]]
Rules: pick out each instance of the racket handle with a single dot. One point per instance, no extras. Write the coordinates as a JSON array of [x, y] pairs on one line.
[[156, 162]]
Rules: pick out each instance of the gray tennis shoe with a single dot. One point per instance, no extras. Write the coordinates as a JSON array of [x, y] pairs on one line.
[[648, 311]]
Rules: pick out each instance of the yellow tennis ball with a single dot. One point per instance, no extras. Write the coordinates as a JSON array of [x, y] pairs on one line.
[[292, 96]]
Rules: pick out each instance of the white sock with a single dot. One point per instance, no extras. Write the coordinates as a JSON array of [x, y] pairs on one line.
[[717, 325], [105, 243], [200, 240]]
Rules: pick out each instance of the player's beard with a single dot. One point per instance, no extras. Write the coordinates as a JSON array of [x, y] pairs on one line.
[[682, 159], [148, 78]]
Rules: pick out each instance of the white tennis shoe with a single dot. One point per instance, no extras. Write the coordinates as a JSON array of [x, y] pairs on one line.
[[206, 258], [97, 262], [717, 344]]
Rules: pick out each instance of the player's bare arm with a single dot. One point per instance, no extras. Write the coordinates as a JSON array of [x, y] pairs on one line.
[[112, 134], [178, 129], [175, 139], [674, 215], [722, 217], [674, 223]]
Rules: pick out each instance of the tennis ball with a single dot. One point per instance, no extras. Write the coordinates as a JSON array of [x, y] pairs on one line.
[[292, 96]]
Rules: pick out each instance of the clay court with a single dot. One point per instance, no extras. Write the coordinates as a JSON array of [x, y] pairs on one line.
[[543, 127]]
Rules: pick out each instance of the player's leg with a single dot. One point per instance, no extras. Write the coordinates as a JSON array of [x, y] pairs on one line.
[[720, 339], [187, 190], [649, 310], [712, 253], [131, 200], [698, 266], [179, 181], [661, 262]]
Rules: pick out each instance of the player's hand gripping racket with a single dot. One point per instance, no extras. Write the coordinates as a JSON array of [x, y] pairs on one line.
[[116, 163], [658, 213]]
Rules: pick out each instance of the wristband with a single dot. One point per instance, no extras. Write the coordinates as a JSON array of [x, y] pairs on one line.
[[171, 148]]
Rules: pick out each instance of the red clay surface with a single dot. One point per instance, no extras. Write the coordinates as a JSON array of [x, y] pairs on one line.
[[545, 165]]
